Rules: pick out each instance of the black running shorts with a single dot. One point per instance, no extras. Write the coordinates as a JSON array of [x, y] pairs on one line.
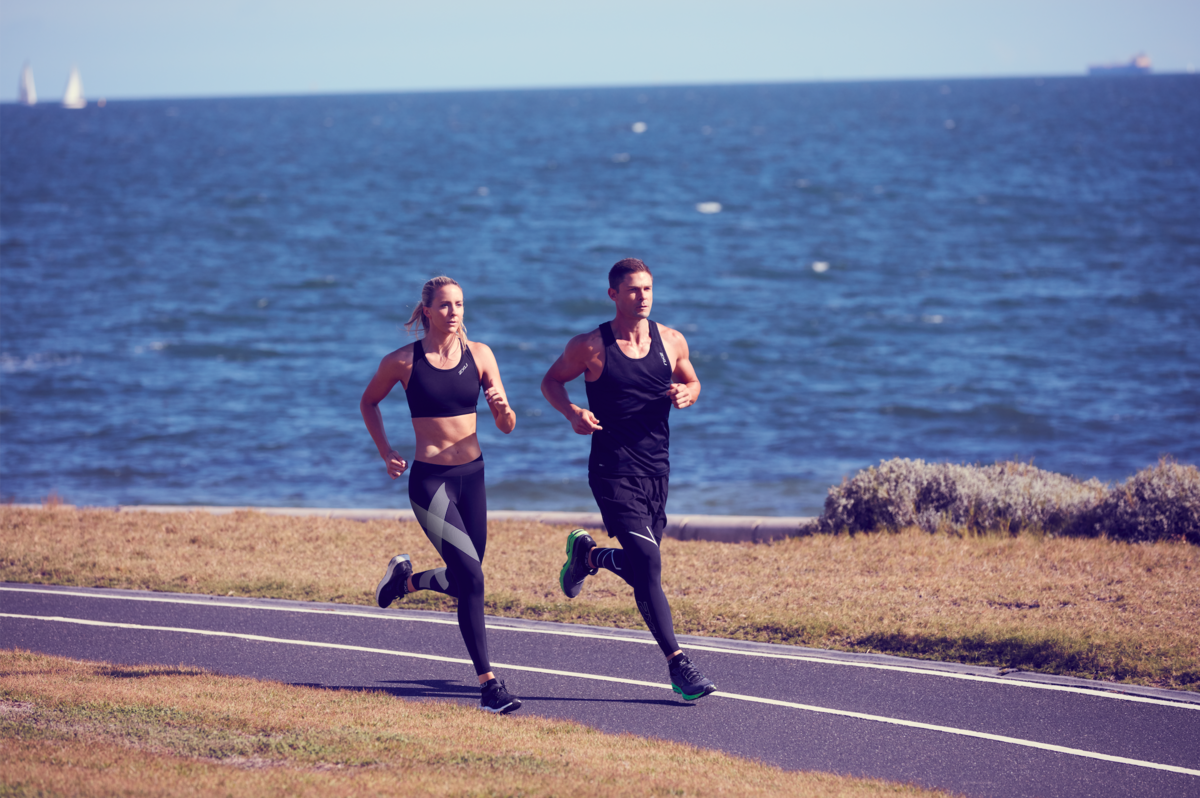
[[631, 503]]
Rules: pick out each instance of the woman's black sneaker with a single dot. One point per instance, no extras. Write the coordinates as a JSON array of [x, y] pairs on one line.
[[576, 569], [494, 698], [687, 681], [395, 580]]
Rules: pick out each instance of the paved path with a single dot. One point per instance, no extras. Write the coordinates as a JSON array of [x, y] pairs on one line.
[[960, 728]]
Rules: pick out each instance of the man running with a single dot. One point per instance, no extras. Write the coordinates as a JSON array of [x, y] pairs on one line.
[[635, 370]]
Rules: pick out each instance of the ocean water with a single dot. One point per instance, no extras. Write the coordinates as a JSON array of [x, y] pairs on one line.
[[194, 293]]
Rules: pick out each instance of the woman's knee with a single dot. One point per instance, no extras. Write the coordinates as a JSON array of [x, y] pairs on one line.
[[468, 581]]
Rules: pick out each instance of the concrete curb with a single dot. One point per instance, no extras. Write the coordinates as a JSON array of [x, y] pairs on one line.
[[717, 528]]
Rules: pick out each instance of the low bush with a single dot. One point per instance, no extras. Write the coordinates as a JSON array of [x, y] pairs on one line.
[[1158, 503]]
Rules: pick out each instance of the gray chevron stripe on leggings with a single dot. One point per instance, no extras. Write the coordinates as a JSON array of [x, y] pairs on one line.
[[439, 529]]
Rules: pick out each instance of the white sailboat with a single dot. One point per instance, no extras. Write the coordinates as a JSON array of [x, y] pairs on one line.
[[73, 96], [27, 91]]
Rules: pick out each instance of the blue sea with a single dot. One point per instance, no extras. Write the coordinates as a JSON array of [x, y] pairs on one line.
[[194, 293]]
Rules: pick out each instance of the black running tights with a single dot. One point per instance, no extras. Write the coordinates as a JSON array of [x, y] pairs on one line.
[[639, 562], [451, 505]]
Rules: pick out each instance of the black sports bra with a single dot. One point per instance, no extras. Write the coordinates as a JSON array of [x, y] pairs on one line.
[[441, 393]]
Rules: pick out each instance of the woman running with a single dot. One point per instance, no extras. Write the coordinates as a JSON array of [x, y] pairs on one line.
[[441, 374]]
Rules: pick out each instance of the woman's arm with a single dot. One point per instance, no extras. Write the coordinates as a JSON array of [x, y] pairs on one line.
[[392, 369], [493, 388]]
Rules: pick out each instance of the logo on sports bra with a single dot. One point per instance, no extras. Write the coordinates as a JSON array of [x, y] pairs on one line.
[[663, 355], [461, 370]]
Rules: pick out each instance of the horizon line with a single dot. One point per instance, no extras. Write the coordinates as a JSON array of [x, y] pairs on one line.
[[594, 87]]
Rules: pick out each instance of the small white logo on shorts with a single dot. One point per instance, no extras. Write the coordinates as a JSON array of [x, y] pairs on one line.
[[643, 537]]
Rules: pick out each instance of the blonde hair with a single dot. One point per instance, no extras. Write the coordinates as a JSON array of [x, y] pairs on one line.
[[418, 317]]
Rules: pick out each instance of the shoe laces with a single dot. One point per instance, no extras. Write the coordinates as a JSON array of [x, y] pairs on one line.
[[687, 670]]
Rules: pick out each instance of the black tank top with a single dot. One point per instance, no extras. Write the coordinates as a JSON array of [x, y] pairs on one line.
[[441, 393], [630, 400]]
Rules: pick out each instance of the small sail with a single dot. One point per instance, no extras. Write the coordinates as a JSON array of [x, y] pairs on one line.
[[27, 92], [73, 96]]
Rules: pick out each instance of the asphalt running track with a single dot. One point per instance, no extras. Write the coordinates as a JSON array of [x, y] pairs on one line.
[[960, 728]]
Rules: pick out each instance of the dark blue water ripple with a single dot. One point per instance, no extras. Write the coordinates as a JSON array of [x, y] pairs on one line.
[[194, 293]]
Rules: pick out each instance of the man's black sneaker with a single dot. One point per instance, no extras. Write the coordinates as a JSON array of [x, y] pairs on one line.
[[687, 681], [576, 568], [494, 698], [395, 580]]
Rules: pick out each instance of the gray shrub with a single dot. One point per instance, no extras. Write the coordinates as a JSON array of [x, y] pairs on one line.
[[1157, 503], [1160, 502]]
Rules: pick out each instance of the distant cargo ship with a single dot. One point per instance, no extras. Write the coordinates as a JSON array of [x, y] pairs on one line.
[[1138, 65]]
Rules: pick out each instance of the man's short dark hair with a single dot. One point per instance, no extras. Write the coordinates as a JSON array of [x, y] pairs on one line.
[[623, 267]]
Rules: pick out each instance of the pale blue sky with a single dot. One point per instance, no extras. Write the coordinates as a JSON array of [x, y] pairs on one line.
[[168, 48]]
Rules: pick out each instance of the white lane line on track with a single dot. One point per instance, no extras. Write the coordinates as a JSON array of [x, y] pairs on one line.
[[1100, 691], [912, 724]]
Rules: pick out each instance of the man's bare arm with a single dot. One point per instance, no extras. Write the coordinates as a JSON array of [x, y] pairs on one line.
[[685, 390], [570, 364]]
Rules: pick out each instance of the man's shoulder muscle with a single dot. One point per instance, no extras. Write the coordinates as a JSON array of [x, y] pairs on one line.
[[669, 333], [673, 339], [587, 342]]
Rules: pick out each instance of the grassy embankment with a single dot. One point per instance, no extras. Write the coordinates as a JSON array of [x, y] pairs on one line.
[[87, 729], [1087, 607]]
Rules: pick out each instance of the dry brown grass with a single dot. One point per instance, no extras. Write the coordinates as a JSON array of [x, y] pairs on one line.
[[82, 729], [1088, 607]]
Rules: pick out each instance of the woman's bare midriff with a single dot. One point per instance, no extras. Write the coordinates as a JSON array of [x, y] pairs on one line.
[[446, 441]]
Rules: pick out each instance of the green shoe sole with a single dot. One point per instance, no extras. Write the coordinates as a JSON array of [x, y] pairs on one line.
[[706, 691], [562, 574]]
